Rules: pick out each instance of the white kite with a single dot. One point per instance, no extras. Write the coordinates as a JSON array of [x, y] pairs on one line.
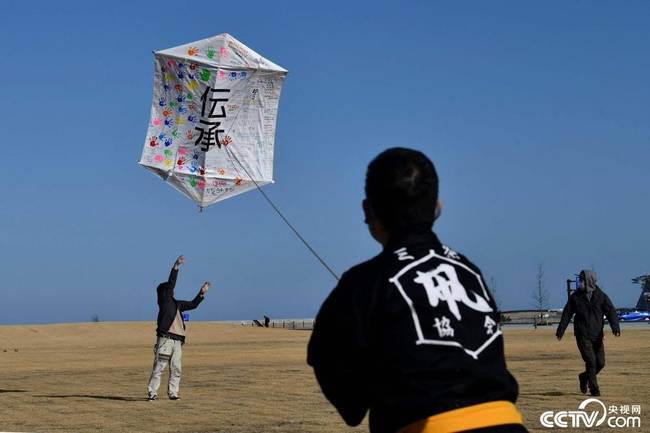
[[212, 128]]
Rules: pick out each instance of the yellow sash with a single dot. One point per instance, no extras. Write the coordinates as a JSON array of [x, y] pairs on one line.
[[468, 418]]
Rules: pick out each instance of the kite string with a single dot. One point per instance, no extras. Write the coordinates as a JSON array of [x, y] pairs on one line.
[[287, 222], [231, 155]]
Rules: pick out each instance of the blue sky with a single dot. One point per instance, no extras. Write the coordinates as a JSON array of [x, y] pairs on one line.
[[535, 114]]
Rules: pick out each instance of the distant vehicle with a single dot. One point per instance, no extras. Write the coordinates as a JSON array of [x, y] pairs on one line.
[[634, 316]]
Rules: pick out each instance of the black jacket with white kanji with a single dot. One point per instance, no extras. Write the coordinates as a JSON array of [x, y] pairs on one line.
[[409, 334]]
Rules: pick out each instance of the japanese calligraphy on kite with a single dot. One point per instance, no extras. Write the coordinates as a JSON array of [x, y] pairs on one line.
[[212, 128]]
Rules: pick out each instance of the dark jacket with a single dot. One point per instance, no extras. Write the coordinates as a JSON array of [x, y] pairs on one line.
[[409, 334], [167, 307], [588, 306]]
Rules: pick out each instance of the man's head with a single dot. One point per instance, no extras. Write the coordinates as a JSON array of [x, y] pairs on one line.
[[587, 280], [401, 193], [165, 286]]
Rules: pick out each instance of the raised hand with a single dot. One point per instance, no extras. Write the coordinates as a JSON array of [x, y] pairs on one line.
[[204, 288], [179, 261]]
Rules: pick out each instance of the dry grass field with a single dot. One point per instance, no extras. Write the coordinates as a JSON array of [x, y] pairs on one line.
[[92, 378]]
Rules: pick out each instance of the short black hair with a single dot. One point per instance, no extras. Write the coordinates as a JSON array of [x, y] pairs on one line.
[[402, 188]]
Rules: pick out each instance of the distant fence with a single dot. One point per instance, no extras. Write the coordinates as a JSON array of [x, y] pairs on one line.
[[297, 324], [514, 317], [530, 317]]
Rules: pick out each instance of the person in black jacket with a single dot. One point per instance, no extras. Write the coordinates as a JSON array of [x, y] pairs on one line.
[[170, 333], [589, 304], [411, 335]]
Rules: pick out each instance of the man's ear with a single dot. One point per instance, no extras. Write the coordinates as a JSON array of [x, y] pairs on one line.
[[367, 211], [438, 210]]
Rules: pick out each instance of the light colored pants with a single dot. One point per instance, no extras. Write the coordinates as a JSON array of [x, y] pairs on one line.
[[166, 351]]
